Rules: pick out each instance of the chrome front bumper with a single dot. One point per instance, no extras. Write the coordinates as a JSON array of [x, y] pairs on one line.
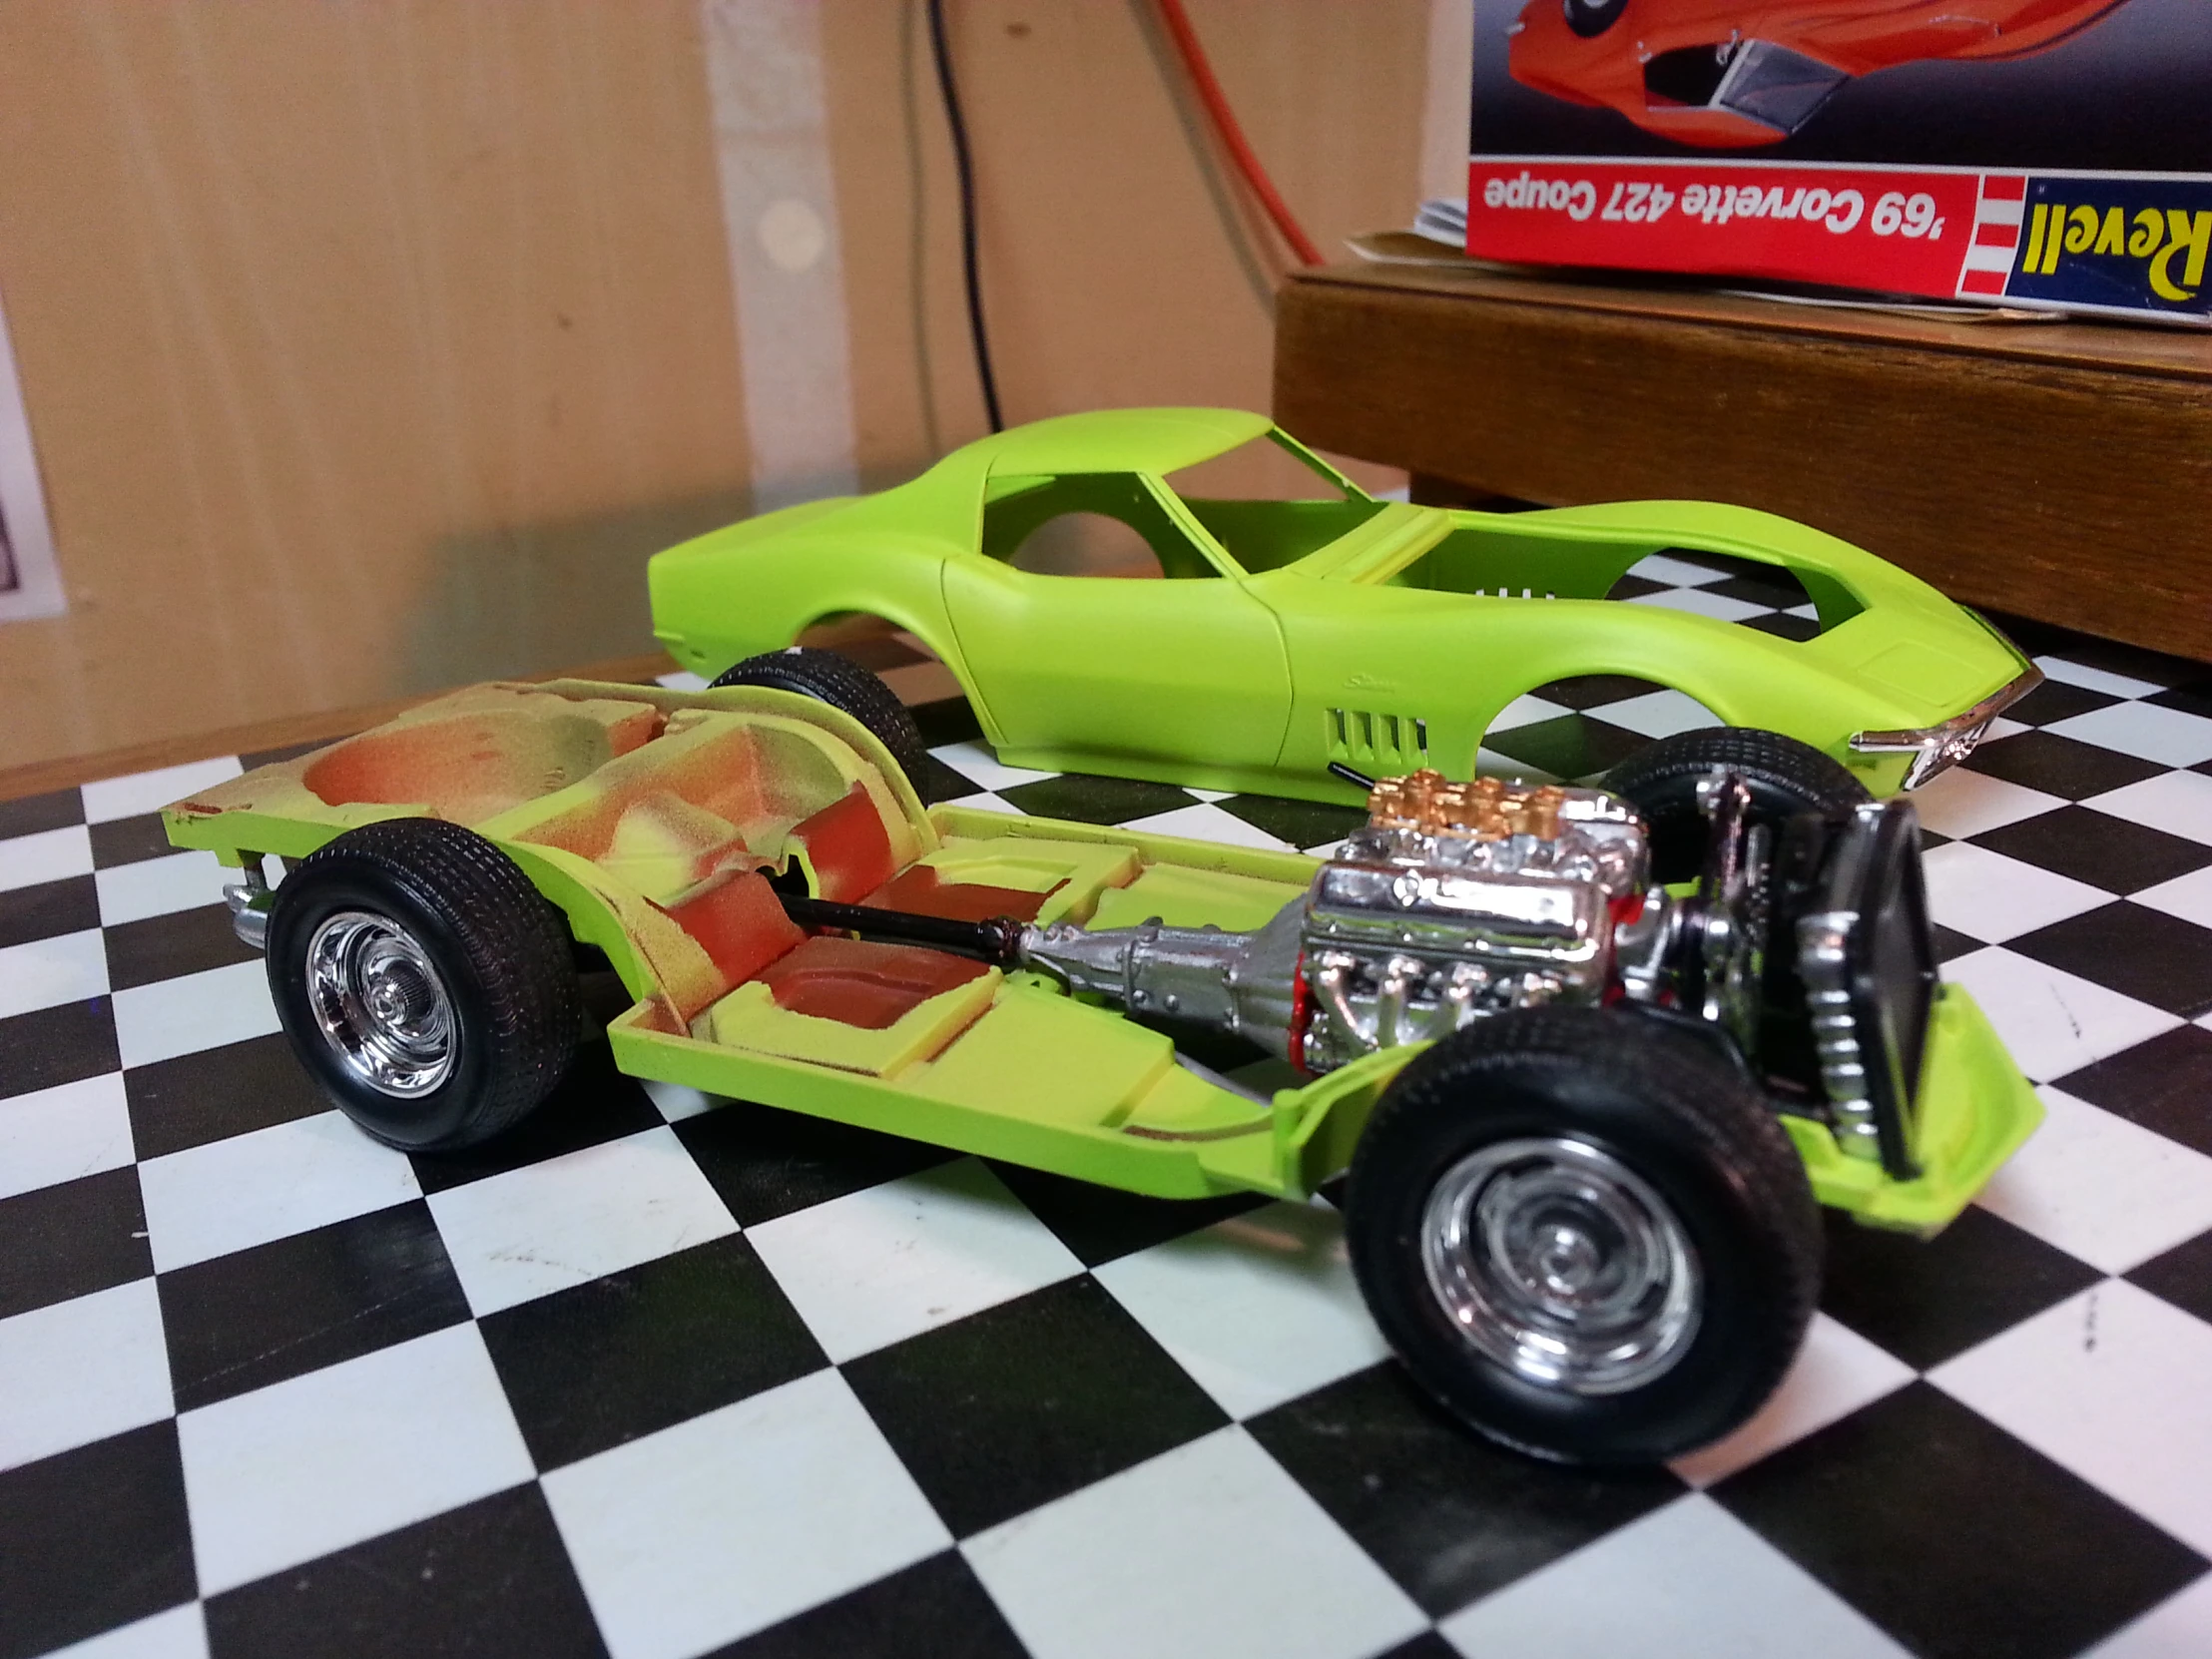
[[1936, 749]]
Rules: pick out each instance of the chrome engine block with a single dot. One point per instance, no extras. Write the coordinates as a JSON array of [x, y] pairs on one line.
[[1456, 900]]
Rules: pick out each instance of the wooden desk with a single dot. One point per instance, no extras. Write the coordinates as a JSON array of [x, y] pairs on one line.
[[2057, 471]]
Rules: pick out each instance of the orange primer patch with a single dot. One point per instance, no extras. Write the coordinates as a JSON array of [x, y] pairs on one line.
[[862, 983], [918, 889]]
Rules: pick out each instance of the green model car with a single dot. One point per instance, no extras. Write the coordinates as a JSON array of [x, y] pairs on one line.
[[1294, 633], [1588, 1117]]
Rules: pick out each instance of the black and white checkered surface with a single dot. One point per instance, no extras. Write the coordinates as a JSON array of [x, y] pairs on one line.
[[663, 1376]]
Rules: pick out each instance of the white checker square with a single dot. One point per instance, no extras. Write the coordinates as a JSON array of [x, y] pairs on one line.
[[146, 791], [1259, 1309], [1208, 823], [59, 1134], [878, 1266], [678, 1101], [2110, 1384], [1989, 896], [1719, 606], [704, 1532], [192, 1013], [2052, 1021], [1960, 803], [1209, 1552], [1835, 1374], [179, 1633], [1525, 710], [312, 1464], [975, 761], [79, 1370], [45, 973], [159, 886], [2180, 1627], [2187, 897], [2170, 737], [273, 1183], [2094, 679], [48, 856], [517, 1235], [682, 680], [1488, 762], [1659, 713], [986, 803], [1676, 573], [2179, 803], [1687, 1581], [2102, 1188]]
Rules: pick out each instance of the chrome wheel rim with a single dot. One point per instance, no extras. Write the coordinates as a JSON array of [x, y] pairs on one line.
[[381, 1004], [1556, 1261]]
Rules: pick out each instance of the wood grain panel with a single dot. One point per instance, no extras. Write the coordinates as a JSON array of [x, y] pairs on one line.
[[2059, 472]]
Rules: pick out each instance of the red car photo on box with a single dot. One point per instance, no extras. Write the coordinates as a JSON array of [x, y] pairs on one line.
[[1727, 74]]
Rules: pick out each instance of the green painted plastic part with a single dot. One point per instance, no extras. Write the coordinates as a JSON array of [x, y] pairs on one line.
[[1293, 632], [620, 802]]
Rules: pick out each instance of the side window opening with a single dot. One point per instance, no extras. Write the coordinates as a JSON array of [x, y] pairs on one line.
[[1086, 524]]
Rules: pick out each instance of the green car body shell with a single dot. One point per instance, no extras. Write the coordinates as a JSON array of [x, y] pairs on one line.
[[1383, 635]]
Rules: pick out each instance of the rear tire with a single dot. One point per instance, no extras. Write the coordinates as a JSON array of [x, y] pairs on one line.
[[1585, 1234], [425, 982], [842, 684], [1785, 777], [1591, 18]]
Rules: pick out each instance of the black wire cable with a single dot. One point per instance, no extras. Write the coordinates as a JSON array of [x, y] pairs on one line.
[[966, 172]]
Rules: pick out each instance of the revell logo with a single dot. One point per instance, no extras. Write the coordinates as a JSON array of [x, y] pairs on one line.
[[2134, 243]]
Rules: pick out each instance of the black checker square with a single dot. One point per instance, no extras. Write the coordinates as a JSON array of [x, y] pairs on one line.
[[72, 1239], [763, 1162], [1782, 625], [34, 814], [2181, 1275], [1567, 747], [1300, 822], [53, 1046], [593, 1104], [1956, 1538], [2097, 848], [1445, 1513], [946, 720], [2060, 766], [1102, 1224], [1768, 585], [604, 1363], [93, 1538], [2055, 700], [1088, 800], [255, 1316], [490, 1577], [129, 840], [215, 1093], [2164, 1084], [936, 1607], [1583, 692], [41, 912], [1949, 942], [170, 946], [2195, 698], [933, 781], [1928, 1300], [1027, 1401], [2130, 948]]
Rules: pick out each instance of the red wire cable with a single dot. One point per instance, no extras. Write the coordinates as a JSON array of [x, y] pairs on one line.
[[1232, 135]]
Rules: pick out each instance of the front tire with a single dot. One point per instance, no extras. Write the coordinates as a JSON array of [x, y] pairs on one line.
[[425, 982], [1785, 778], [1591, 18], [842, 684], [1585, 1234]]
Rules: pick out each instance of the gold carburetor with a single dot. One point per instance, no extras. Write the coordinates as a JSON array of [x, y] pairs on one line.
[[1484, 809]]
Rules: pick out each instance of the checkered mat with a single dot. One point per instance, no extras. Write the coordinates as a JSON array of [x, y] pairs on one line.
[[664, 1376]]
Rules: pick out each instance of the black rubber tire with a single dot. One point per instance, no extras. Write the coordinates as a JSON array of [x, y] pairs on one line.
[[1674, 1111], [1785, 777], [502, 951], [842, 684], [1591, 18]]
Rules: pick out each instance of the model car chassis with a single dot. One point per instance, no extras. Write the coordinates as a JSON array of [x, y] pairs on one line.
[[667, 831]]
